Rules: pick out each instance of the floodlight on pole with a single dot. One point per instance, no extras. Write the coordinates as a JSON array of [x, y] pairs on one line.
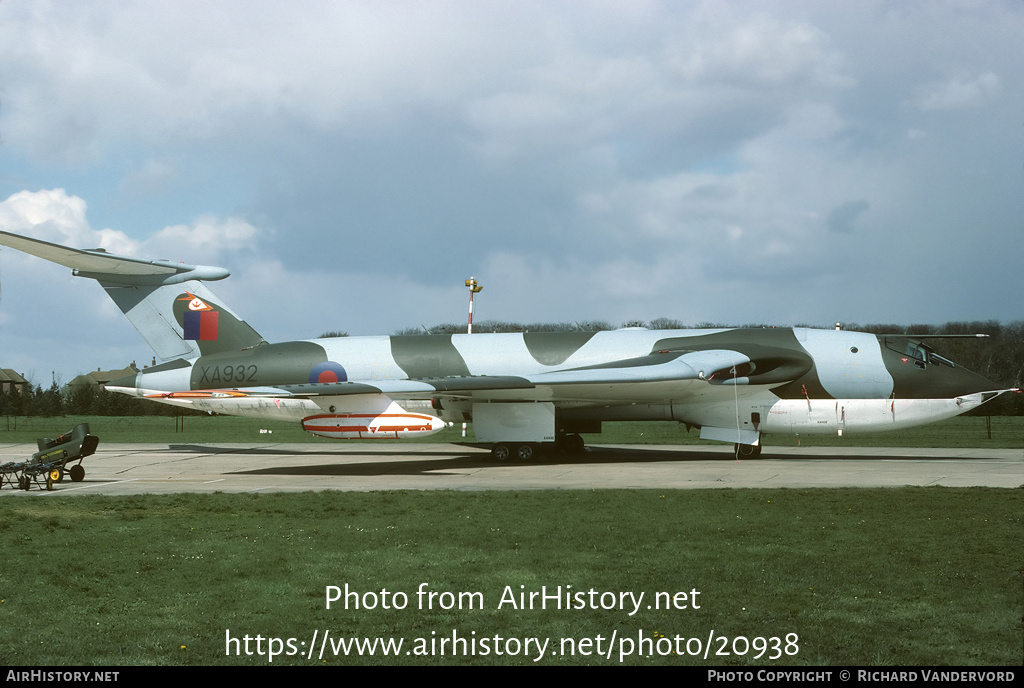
[[474, 288]]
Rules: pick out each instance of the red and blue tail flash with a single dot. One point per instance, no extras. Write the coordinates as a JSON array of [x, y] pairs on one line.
[[201, 325]]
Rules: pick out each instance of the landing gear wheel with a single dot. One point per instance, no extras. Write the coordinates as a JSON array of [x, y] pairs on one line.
[[56, 474], [501, 452], [77, 473], [748, 451], [525, 452], [49, 482], [569, 444]]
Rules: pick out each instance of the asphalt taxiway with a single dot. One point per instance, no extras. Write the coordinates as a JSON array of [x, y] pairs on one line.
[[121, 469]]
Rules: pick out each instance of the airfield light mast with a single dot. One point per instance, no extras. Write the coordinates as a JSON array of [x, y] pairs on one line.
[[474, 288]]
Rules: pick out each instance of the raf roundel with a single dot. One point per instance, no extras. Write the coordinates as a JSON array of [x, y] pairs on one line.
[[329, 371]]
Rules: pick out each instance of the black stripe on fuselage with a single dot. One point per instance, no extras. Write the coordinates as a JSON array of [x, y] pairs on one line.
[[555, 348], [427, 356]]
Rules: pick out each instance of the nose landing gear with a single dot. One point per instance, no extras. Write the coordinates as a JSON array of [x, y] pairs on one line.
[[747, 451]]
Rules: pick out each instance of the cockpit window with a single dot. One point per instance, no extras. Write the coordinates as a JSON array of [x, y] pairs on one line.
[[916, 350], [908, 348]]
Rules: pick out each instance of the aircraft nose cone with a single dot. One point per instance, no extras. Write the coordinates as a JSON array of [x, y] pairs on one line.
[[918, 372], [962, 381], [938, 381]]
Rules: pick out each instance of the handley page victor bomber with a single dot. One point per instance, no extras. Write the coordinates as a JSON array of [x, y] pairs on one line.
[[519, 390]]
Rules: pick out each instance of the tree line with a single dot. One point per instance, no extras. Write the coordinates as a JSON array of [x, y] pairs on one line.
[[82, 400]]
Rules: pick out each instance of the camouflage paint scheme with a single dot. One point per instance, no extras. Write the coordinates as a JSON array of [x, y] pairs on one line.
[[735, 384]]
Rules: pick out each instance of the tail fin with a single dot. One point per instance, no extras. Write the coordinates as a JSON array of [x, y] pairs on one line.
[[165, 301]]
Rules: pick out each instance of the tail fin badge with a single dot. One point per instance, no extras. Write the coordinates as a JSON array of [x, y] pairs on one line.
[[195, 303], [200, 321]]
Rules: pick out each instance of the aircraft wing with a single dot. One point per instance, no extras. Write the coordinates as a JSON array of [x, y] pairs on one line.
[[398, 389], [657, 367]]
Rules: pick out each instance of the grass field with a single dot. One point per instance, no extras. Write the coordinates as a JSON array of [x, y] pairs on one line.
[[912, 576], [902, 576], [1006, 432]]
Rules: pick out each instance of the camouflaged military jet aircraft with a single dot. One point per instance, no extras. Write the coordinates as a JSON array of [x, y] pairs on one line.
[[520, 391]]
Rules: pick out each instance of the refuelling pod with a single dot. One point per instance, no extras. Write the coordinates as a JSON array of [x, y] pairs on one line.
[[393, 422]]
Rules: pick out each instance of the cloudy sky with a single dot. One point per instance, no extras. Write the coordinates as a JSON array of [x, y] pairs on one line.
[[352, 163]]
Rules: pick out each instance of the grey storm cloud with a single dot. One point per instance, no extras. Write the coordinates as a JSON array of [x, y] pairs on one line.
[[353, 162], [842, 218]]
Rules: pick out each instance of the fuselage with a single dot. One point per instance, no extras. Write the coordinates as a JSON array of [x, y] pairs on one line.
[[765, 380]]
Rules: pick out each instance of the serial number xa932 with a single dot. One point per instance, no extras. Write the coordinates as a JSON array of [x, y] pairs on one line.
[[214, 375]]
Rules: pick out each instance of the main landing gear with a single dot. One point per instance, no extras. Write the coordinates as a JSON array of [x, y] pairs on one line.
[[528, 451], [503, 451]]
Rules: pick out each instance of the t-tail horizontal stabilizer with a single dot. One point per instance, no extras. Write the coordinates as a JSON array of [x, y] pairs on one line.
[[165, 301]]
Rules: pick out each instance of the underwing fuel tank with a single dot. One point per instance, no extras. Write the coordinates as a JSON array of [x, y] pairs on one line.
[[364, 426]]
